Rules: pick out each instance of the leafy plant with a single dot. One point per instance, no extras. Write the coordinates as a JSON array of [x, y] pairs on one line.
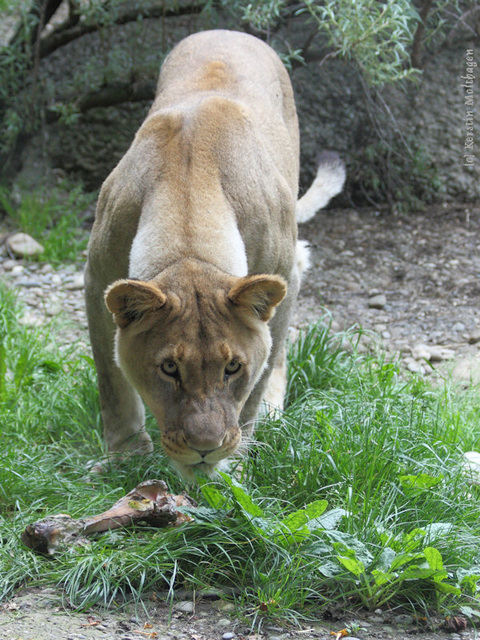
[[376, 35]]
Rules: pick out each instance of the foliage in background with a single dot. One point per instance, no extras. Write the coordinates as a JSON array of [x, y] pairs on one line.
[[52, 217], [354, 495], [386, 41]]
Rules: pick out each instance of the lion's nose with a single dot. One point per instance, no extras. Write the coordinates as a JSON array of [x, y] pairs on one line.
[[203, 454], [203, 433]]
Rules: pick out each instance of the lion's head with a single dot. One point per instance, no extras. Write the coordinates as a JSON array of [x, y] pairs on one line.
[[193, 341]]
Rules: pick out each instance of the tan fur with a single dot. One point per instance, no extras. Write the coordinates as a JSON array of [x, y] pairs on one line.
[[195, 247]]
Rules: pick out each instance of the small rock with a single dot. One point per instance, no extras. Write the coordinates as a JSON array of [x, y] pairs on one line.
[[224, 622], [76, 283], [9, 264], [17, 270], [414, 366], [228, 635], [377, 302], [29, 284], [53, 309], [186, 606], [473, 338], [472, 466], [438, 354], [375, 619], [458, 326], [421, 352], [24, 246]]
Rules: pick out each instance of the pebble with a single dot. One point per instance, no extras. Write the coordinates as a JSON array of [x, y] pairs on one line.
[[24, 246], [76, 282], [186, 606], [224, 622], [17, 270], [377, 302], [474, 337], [414, 366], [8, 265], [432, 353], [229, 635], [472, 466]]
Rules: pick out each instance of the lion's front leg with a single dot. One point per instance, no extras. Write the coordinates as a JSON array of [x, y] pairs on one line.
[[123, 412]]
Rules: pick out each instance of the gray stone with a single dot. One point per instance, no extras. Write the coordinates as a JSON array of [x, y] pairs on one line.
[[9, 264], [378, 302], [76, 283], [228, 635], [224, 622], [403, 619], [186, 606], [17, 270], [225, 606], [474, 337], [24, 246]]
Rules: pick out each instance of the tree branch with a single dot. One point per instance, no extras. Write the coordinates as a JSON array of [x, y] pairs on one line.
[[66, 33], [416, 57], [116, 93]]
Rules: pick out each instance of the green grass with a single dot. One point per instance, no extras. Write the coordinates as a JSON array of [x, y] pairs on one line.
[[52, 218], [355, 494]]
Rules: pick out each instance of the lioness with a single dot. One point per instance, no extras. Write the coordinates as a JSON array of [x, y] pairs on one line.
[[194, 251]]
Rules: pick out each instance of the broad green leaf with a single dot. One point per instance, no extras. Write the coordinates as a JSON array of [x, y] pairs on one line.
[[382, 577], [242, 497], [385, 559], [329, 520], [404, 558], [416, 572], [444, 587], [353, 565], [213, 496], [298, 519], [434, 558], [347, 545], [422, 481]]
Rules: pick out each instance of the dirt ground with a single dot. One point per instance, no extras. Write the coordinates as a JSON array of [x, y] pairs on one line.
[[412, 282]]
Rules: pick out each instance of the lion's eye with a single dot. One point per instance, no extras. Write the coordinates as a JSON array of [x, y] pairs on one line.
[[169, 368], [232, 367]]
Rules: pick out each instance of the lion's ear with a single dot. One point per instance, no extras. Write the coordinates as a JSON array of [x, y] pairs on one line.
[[259, 294], [130, 300]]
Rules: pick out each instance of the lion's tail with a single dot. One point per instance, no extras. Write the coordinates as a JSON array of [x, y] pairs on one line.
[[328, 182]]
